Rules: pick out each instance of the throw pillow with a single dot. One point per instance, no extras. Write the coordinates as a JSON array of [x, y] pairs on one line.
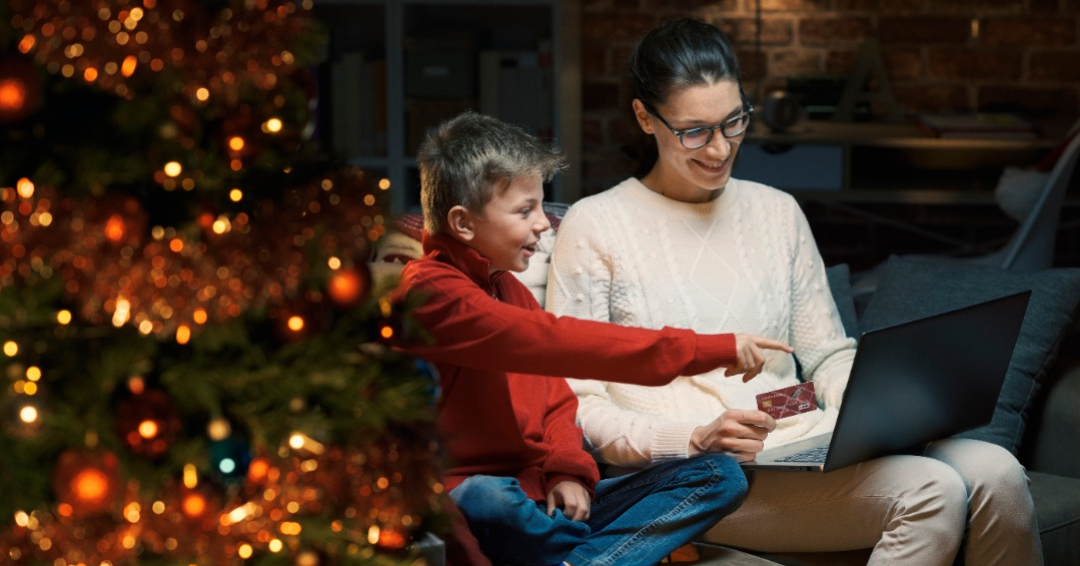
[[911, 289]]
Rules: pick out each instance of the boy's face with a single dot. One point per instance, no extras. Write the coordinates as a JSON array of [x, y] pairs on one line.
[[507, 229]]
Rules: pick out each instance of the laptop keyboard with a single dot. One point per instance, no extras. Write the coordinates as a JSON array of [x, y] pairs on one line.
[[815, 455]]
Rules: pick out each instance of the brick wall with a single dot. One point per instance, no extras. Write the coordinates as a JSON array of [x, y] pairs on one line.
[[1025, 57]]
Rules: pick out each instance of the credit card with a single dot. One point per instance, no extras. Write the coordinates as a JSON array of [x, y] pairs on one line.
[[789, 401]]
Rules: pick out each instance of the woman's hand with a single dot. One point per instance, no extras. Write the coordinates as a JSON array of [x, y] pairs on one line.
[[749, 359], [572, 498], [738, 433]]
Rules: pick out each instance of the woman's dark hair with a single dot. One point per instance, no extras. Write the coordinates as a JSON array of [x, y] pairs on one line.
[[677, 54]]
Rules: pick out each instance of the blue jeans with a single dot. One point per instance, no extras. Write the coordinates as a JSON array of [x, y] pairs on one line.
[[634, 519]]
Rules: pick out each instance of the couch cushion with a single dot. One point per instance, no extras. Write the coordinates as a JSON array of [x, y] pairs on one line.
[[1057, 508], [911, 289]]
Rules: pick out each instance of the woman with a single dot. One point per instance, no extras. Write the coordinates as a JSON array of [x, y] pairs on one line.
[[685, 245]]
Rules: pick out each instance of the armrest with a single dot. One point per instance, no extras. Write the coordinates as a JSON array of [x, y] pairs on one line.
[[1051, 442]]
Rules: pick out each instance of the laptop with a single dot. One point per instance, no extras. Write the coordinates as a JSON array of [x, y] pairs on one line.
[[911, 384]]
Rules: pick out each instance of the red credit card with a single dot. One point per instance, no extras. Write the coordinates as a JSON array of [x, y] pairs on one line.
[[789, 401]]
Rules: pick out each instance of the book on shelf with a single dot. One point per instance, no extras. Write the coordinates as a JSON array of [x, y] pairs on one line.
[[980, 125], [358, 105], [516, 87]]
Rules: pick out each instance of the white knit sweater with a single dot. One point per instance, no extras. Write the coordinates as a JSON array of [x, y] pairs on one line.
[[745, 262]]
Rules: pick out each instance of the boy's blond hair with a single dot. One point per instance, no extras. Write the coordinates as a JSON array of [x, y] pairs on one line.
[[467, 156]]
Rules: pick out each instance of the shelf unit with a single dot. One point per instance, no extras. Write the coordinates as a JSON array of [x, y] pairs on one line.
[[420, 61], [875, 161]]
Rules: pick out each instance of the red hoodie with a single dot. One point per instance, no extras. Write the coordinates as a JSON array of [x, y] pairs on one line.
[[493, 343]]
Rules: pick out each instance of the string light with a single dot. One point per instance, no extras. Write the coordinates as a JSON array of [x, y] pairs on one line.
[[173, 169], [28, 414], [295, 323]]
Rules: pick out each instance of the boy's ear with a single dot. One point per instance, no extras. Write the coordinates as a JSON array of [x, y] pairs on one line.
[[460, 223], [644, 119]]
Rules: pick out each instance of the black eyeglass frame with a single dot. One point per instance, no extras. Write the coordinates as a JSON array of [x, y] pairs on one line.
[[748, 111]]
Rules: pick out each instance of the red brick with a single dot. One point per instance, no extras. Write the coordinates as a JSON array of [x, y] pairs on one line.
[[605, 169], [970, 7], [1059, 65], [592, 131], [900, 63], [1043, 6], [903, 63], [880, 7], [753, 65], [924, 30], [828, 31], [622, 128], [795, 5], [599, 95], [1033, 101], [594, 58], [840, 62], [618, 55], [966, 63], [786, 62], [1027, 31], [918, 97], [611, 26], [683, 6], [743, 31]]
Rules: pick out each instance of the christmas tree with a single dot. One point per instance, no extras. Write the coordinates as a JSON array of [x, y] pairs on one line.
[[193, 358]]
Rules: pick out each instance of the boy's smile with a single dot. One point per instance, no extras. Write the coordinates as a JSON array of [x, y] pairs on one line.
[[508, 228]]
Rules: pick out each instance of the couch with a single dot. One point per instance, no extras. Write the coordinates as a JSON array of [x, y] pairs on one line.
[[1038, 415]]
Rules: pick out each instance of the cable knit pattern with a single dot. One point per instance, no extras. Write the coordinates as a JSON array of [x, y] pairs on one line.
[[745, 262]]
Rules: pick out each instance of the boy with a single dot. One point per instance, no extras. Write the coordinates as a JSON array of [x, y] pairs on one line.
[[518, 471]]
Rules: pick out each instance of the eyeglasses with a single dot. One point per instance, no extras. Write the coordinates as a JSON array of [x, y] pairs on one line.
[[693, 138]]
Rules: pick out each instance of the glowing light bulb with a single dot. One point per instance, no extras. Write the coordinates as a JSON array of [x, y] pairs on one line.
[[28, 414], [10, 349], [122, 313], [63, 317], [25, 187], [296, 323], [236, 195], [272, 126], [183, 334], [384, 184], [148, 429], [173, 168], [236, 143]]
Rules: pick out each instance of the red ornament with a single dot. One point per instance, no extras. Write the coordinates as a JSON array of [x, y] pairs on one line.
[[86, 483], [20, 88], [147, 422], [348, 286]]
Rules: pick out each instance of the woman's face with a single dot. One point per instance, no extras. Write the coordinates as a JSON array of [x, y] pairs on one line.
[[693, 175]]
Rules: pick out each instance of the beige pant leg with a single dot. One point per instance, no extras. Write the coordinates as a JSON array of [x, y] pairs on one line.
[[909, 509], [1001, 516]]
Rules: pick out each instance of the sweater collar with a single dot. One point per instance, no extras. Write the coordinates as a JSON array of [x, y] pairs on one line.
[[449, 250]]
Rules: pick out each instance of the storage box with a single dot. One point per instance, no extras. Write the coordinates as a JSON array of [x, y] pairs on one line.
[[440, 68]]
